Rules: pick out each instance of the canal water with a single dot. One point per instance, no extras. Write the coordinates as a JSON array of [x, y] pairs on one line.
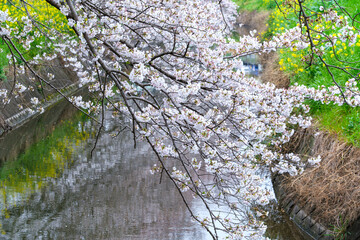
[[52, 188]]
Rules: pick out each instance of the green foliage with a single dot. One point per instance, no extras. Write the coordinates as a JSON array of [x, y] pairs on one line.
[[41, 12], [343, 120], [252, 5], [339, 231], [2, 75]]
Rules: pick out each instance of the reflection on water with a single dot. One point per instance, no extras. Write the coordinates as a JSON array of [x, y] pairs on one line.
[[56, 190], [43, 161], [24, 136]]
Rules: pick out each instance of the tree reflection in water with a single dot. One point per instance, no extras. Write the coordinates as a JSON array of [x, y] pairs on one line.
[[56, 190]]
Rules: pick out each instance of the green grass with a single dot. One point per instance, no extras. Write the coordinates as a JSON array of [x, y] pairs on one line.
[[252, 5], [343, 120]]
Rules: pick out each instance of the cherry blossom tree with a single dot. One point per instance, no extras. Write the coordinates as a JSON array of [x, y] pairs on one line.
[[171, 70]]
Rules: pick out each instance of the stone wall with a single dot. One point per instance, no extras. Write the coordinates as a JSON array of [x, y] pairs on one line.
[[300, 217]]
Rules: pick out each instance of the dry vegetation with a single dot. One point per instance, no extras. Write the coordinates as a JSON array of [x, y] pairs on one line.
[[331, 191], [252, 20], [271, 72]]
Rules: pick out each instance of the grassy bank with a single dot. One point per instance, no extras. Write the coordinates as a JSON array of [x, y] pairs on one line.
[[343, 120]]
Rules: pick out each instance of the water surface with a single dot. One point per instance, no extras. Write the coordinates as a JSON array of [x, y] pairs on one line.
[[57, 190]]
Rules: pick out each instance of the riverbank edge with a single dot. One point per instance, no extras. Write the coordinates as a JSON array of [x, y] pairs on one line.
[[22, 117], [298, 215], [303, 220]]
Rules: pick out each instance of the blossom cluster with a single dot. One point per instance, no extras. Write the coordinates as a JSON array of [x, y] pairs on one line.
[[169, 68]]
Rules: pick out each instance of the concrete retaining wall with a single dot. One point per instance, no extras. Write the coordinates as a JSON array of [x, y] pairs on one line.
[[302, 219], [64, 80]]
